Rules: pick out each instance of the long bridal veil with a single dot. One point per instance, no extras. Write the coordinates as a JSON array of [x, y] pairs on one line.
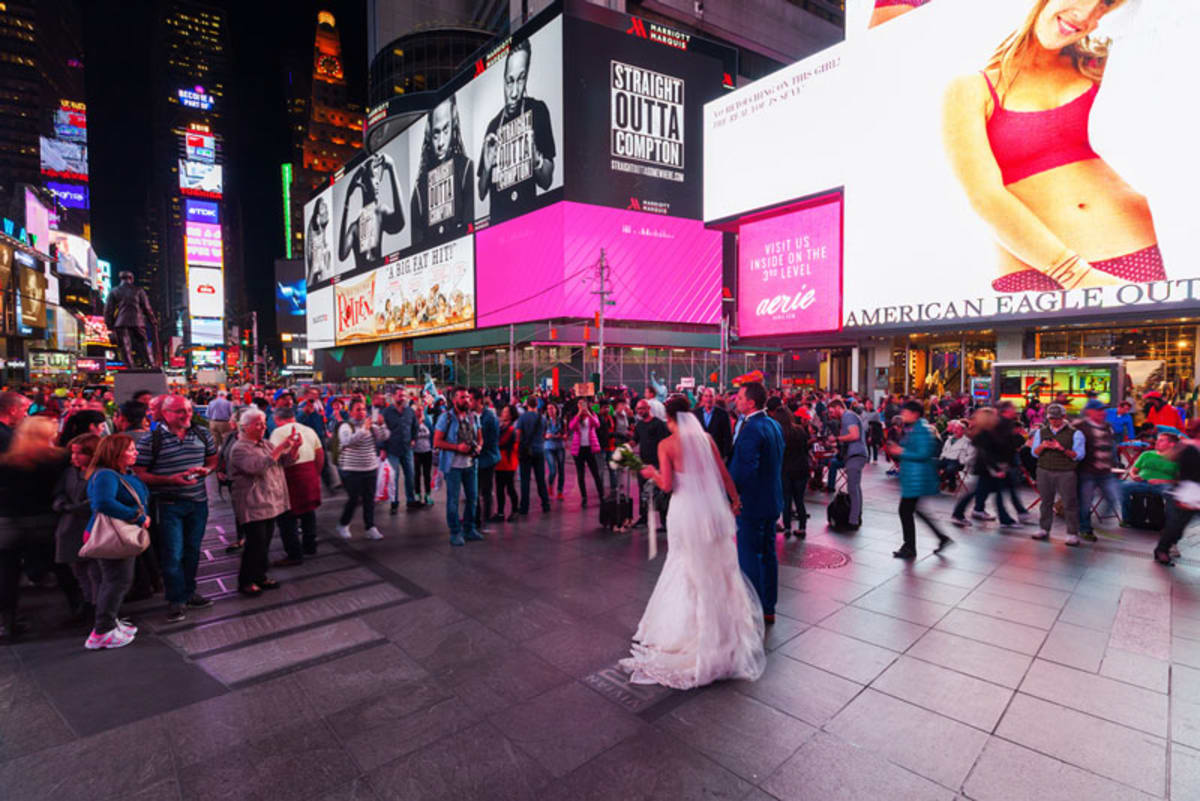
[[704, 621]]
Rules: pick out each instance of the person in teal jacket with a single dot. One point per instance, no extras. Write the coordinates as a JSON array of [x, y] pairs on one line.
[[917, 453]]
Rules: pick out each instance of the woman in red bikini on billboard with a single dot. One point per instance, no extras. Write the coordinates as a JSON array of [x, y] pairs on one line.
[[1017, 138], [890, 9]]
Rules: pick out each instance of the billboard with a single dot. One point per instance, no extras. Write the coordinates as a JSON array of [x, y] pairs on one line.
[[202, 211], [554, 250], [202, 244], [975, 209], [95, 332], [289, 296], [206, 292], [200, 147], [63, 159], [790, 271], [200, 179], [208, 331], [6, 282], [74, 255], [428, 292], [635, 110], [71, 196], [319, 329], [318, 238], [31, 297], [37, 222], [70, 121]]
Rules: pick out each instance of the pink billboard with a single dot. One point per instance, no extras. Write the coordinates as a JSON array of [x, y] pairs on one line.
[[203, 244], [790, 271], [662, 269]]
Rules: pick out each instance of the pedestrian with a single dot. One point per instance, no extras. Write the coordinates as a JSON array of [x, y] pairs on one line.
[[648, 432], [555, 451], [918, 478], [531, 455], [991, 464], [220, 417], [489, 456], [1184, 504], [852, 454], [13, 408], [1161, 413], [1096, 467], [1059, 449], [874, 422], [401, 422], [423, 454], [303, 476], [584, 446], [114, 490], [715, 421], [507, 465], [458, 441], [359, 440], [795, 470], [260, 494], [173, 461], [74, 511]]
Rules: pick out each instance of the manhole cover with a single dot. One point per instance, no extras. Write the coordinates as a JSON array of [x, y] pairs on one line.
[[818, 557]]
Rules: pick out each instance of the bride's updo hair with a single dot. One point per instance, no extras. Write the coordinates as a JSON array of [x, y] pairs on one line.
[[676, 405]]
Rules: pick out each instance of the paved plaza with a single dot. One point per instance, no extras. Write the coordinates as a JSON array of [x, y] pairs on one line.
[[1005, 669]]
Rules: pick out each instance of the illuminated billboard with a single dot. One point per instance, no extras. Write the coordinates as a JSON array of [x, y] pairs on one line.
[[202, 211], [319, 313], [31, 298], [200, 147], [200, 179], [208, 331], [95, 332], [70, 196], [206, 292], [195, 98], [975, 192], [74, 255], [432, 291], [290, 296], [202, 244], [37, 222], [70, 121], [64, 159], [103, 278]]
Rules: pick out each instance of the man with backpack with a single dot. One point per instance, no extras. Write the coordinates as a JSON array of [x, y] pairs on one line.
[[173, 461], [532, 456], [852, 454]]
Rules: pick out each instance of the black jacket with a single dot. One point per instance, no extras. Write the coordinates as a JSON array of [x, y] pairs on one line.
[[719, 429]]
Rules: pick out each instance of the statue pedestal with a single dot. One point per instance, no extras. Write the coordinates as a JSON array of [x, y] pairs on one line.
[[129, 382]]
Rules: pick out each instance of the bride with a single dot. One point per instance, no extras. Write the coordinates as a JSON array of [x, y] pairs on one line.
[[703, 622]]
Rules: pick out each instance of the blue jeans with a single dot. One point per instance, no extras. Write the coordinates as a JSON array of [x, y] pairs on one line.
[[756, 557], [1131, 488], [1110, 488], [181, 528], [464, 479], [398, 463], [556, 464]]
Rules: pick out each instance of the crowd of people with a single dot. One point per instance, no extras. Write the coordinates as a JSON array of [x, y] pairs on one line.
[[69, 464]]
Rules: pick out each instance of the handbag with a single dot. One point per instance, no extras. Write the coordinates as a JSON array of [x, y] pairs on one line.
[[112, 538]]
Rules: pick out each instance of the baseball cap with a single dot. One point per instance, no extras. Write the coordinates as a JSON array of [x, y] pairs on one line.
[[1094, 403], [1056, 410]]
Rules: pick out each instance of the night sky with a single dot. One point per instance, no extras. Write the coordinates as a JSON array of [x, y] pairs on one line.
[[268, 37]]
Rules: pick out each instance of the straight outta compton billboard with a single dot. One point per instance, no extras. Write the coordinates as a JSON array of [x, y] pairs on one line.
[[647, 121]]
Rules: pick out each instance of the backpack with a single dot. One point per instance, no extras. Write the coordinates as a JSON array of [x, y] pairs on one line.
[[223, 460], [334, 450], [838, 512]]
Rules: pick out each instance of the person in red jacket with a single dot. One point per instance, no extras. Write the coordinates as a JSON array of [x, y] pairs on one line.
[[1161, 413]]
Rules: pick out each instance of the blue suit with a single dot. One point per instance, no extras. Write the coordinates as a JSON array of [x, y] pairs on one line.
[[756, 468]]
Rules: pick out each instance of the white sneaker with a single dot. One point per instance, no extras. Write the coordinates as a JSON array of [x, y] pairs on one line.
[[373, 534], [117, 638], [982, 516], [1072, 540], [127, 625], [343, 532], [1027, 519]]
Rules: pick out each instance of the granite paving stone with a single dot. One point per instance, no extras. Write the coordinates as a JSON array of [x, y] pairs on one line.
[[500, 680], [267, 657], [905, 607], [827, 767], [1144, 671], [28, 722], [1076, 646], [334, 685], [1135, 707], [1185, 705], [802, 691], [844, 656], [1013, 636], [882, 630], [1006, 770], [999, 606], [1023, 591], [956, 695], [1185, 772], [978, 659]]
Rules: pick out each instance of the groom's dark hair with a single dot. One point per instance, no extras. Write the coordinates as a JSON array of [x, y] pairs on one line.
[[756, 393]]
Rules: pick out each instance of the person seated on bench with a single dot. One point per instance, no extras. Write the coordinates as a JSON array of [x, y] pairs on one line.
[[957, 454], [1152, 474]]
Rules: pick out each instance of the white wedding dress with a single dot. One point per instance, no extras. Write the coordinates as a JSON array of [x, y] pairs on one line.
[[703, 622]]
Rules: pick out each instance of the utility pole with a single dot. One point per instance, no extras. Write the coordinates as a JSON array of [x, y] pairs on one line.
[[603, 292], [254, 344], [512, 355]]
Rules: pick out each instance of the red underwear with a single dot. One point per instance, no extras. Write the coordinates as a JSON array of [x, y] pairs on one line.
[[1135, 268]]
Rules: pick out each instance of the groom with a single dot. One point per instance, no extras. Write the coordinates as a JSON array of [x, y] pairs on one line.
[[756, 471]]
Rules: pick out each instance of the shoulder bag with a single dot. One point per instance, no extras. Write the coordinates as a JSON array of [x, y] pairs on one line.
[[109, 537]]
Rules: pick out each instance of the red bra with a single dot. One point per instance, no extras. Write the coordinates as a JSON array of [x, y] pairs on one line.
[[1028, 142]]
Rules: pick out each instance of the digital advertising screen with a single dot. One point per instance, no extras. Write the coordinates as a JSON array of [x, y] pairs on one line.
[[290, 296], [206, 292], [635, 110], [995, 194], [203, 358], [318, 238], [95, 332], [31, 296], [200, 179], [202, 244], [790, 272], [37, 222], [6, 278], [200, 147], [71, 196], [319, 329], [428, 292], [64, 159], [662, 268], [208, 331], [202, 211], [74, 255], [70, 121]]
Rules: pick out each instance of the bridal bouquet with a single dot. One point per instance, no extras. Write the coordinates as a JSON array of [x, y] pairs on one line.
[[624, 458]]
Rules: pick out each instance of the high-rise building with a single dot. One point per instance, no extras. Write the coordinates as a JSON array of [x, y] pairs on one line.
[[192, 246], [326, 125]]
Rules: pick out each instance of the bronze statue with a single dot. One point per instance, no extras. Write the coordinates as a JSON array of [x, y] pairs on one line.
[[127, 314]]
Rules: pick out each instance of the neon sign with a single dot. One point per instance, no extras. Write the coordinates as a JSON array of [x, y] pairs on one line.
[[195, 98]]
